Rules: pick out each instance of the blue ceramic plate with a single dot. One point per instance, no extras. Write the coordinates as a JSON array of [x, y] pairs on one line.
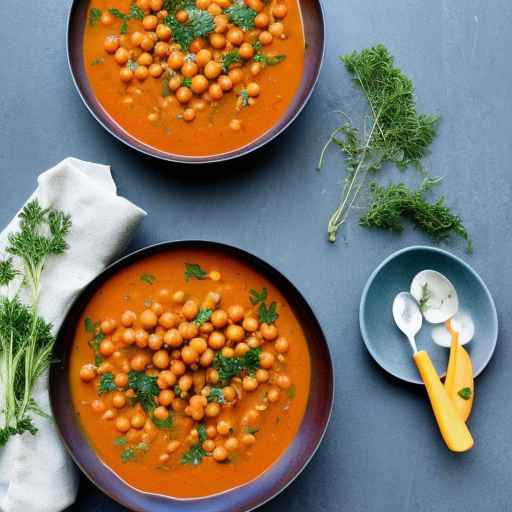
[[386, 343]]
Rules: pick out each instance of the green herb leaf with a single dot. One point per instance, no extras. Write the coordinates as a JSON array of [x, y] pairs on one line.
[[230, 58], [91, 326], [194, 271], [131, 65], [268, 315], [194, 455], [136, 13], [117, 13], [465, 393], [241, 15], [145, 387], [257, 297], [166, 424], [177, 390], [243, 98], [203, 316], [94, 16], [106, 383], [268, 60], [187, 82], [216, 395], [251, 430], [425, 297], [97, 61], [127, 455], [143, 447], [229, 367], [120, 441], [148, 278], [199, 24], [292, 392], [7, 272]]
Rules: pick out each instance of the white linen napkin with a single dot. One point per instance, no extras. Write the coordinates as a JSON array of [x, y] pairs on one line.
[[36, 474]]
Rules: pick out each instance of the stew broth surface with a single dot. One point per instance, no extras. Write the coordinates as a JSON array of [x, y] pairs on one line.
[[274, 424], [150, 112]]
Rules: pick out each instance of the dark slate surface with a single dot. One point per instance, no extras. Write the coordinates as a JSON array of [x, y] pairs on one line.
[[382, 451]]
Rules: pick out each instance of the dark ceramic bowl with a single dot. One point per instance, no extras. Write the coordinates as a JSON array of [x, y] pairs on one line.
[[247, 497], [314, 31]]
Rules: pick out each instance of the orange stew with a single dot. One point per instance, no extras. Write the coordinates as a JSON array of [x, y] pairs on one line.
[[189, 373], [195, 77]]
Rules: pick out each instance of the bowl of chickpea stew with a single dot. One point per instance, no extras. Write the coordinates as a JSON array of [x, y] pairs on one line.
[[195, 81], [192, 375]]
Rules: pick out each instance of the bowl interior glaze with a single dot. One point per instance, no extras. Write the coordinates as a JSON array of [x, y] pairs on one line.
[[314, 31], [244, 498]]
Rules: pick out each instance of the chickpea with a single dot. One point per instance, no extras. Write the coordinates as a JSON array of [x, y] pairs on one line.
[[175, 83], [121, 380], [216, 340], [221, 23], [203, 4], [217, 41], [156, 5], [128, 318], [236, 313], [155, 341], [283, 381], [184, 94], [98, 406], [246, 51], [255, 5], [262, 20], [176, 61], [105, 367], [198, 401], [206, 328], [189, 69], [182, 16], [118, 400], [173, 338], [141, 338], [178, 297], [173, 446], [211, 431], [236, 75], [169, 377], [138, 362], [136, 38], [157, 308], [178, 405], [265, 38], [107, 348], [220, 453], [267, 360], [208, 445], [165, 397], [262, 375], [111, 44], [249, 383], [163, 32], [161, 359], [199, 85], [143, 4], [197, 414], [147, 43], [148, 318], [212, 410], [87, 372], [123, 424], [228, 352], [241, 349], [109, 414], [106, 19], [189, 355], [235, 36], [252, 342], [178, 367], [235, 333], [108, 326], [219, 318], [231, 444], [144, 59], [212, 375], [273, 395], [276, 29], [203, 57], [212, 70], [223, 427], [253, 89], [235, 124], [280, 11], [121, 56], [206, 358], [250, 324], [150, 22], [256, 68], [248, 439], [214, 9], [141, 73], [281, 345], [185, 382], [269, 332], [167, 320], [161, 413]]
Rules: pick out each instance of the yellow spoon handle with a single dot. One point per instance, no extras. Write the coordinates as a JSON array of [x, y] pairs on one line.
[[453, 429]]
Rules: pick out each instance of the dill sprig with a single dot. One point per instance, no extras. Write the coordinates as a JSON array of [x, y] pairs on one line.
[[392, 131], [392, 204], [26, 340]]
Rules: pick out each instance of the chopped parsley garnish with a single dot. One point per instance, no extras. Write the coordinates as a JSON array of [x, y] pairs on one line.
[[195, 454], [268, 314], [230, 58], [187, 82], [136, 13], [145, 387], [120, 441], [292, 392], [148, 278], [131, 65], [97, 61], [94, 16], [166, 424], [194, 271], [251, 430], [257, 297], [203, 316], [97, 337], [107, 383], [199, 24], [242, 16], [166, 91], [244, 98], [127, 455], [268, 60], [229, 367], [216, 395], [177, 390], [465, 393], [130, 452]]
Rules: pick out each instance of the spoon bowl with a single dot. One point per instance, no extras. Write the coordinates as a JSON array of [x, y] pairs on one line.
[[407, 316]]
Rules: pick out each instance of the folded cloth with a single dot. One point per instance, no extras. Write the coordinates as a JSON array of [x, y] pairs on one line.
[[36, 473]]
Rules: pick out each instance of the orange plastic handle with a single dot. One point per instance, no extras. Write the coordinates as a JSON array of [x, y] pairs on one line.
[[454, 430]]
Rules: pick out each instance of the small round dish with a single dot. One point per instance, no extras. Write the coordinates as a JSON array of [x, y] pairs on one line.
[[314, 32], [245, 497], [387, 345]]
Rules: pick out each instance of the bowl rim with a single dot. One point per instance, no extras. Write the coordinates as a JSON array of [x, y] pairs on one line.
[[454, 258], [250, 147], [249, 259]]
